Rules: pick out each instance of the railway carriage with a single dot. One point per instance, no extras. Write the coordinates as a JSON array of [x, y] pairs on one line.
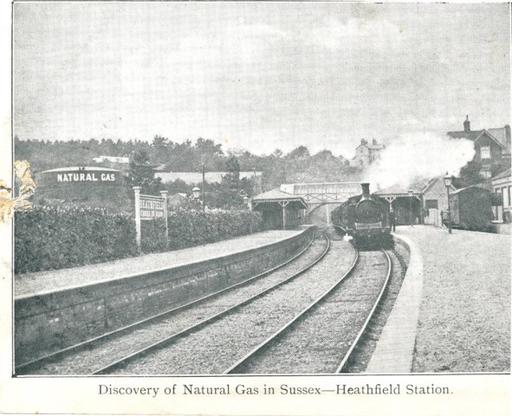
[[471, 209]]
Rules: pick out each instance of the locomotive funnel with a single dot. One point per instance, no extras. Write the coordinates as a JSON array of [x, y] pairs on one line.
[[366, 189]]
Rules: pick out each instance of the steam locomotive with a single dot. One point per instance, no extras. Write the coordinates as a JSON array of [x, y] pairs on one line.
[[365, 217]]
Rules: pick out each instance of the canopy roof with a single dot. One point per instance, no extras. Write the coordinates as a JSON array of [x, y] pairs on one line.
[[276, 195]]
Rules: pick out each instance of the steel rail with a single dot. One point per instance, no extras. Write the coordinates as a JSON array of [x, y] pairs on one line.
[[370, 315], [266, 343], [174, 337], [59, 354]]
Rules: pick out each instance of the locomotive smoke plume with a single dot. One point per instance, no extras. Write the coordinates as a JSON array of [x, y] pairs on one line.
[[418, 156]]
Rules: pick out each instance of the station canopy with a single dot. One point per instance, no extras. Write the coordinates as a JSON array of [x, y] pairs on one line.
[[397, 191], [276, 196]]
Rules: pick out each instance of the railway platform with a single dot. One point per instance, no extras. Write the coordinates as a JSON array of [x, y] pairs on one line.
[[454, 305], [57, 309], [32, 284]]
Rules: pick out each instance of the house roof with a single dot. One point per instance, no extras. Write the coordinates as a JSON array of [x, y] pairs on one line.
[[502, 175], [486, 133], [471, 135], [374, 146], [477, 186], [499, 135], [432, 182]]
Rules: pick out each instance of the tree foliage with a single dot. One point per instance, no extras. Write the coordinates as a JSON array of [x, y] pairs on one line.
[[142, 174], [187, 156]]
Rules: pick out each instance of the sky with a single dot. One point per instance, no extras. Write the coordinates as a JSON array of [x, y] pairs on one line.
[[258, 76]]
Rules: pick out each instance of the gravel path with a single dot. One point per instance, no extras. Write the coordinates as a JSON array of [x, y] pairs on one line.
[[216, 347], [318, 343], [464, 323], [32, 283], [103, 352]]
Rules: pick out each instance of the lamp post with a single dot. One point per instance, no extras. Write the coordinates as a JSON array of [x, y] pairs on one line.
[[448, 184], [410, 192]]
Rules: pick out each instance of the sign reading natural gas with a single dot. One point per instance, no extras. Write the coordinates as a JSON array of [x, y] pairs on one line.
[[77, 175], [88, 185], [86, 177]]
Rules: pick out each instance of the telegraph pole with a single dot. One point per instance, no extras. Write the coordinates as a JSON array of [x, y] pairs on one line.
[[202, 187]]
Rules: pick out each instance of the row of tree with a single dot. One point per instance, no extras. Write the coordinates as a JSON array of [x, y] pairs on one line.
[[297, 166]]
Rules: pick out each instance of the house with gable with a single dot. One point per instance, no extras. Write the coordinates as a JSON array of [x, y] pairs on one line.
[[492, 147], [367, 153]]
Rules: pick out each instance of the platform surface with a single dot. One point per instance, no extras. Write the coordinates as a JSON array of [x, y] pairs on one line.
[[51, 280], [464, 314]]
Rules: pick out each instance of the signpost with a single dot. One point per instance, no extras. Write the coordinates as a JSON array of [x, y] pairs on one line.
[[150, 207]]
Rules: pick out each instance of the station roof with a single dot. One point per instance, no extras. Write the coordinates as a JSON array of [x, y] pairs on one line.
[[418, 188], [399, 190], [276, 195]]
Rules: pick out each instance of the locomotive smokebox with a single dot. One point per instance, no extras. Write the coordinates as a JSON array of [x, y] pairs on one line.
[[366, 189]]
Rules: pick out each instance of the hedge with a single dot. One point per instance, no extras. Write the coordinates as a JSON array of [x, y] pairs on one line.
[[55, 237]]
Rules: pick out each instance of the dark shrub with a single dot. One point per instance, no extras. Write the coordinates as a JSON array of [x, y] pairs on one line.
[[57, 237]]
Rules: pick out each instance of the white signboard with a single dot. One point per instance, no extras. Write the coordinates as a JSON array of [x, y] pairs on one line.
[[151, 207]]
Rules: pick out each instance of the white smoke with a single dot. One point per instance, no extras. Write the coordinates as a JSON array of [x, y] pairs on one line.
[[418, 156]]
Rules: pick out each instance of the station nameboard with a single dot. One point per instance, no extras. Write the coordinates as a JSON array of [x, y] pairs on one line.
[[151, 207], [328, 192]]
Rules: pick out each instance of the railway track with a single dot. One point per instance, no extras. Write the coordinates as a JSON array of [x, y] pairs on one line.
[[363, 352], [213, 348], [324, 336], [97, 355]]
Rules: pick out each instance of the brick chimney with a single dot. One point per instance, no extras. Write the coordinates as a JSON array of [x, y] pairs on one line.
[[507, 133], [467, 125]]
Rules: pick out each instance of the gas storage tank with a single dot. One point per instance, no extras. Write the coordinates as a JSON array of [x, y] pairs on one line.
[[92, 186]]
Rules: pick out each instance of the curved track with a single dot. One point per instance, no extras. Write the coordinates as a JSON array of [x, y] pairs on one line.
[[215, 347], [165, 342], [370, 315], [322, 338], [59, 361]]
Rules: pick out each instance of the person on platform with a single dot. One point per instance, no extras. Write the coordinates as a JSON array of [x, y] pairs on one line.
[[392, 220]]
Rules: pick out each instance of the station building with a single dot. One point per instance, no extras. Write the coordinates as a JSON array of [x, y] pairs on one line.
[[502, 185], [290, 205], [421, 203], [406, 203]]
